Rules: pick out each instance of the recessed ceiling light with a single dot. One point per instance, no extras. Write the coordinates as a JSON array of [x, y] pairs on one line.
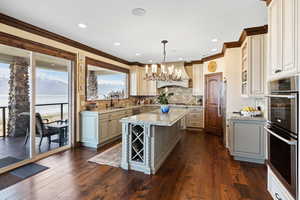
[[180, 58], [137, 54], [215, 40], [214, 50], [81, 25], [150, 61], [117, 43], [138, 12]]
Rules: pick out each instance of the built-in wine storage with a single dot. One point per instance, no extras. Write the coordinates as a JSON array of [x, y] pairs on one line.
[[137, 143]]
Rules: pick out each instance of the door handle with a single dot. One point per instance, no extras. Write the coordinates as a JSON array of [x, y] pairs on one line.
[[292, 142]]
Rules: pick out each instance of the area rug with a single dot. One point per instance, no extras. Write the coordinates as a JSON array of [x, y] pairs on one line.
[[111, 156], [4, 162], [17, 175], [28, 170]]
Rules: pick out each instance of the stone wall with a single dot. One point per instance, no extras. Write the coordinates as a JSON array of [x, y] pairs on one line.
[[92, 85], [18, 98]]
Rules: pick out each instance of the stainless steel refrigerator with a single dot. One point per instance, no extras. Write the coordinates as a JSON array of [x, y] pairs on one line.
[[223, 109]]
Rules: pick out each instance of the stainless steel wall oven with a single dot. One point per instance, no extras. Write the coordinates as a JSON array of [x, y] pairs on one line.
[[282, 128]]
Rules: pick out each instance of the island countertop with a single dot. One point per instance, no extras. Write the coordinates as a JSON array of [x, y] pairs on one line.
[[157, 117]]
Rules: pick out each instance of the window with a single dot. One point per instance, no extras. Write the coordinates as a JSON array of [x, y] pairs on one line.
[[106, 82]]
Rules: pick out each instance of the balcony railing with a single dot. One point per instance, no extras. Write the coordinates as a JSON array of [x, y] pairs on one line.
[[3, 110]]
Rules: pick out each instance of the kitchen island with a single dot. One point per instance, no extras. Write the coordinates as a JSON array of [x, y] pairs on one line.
[[148, 138]]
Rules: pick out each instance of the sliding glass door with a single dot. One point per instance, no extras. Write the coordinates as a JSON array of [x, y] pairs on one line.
[[52, 100], [35, 105], [14, 105]]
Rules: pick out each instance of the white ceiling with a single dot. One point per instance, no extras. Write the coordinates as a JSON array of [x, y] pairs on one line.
[[188, 25]]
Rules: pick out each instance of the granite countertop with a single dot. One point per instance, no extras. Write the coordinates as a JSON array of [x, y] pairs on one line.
[[109, 110], [157, 118], [234, 116]]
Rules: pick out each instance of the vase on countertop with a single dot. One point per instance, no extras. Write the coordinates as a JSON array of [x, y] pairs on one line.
[[165, 108]]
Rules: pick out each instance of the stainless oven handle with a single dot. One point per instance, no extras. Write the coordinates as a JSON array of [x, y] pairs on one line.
[[282, 96], [293, 142]]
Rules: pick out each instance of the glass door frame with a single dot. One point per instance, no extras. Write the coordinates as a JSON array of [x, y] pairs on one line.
[[72, 59]]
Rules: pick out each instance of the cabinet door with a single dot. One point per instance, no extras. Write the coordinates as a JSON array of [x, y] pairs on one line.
[[104, 124], [151, 88], [274, 11], [142, 84], [113, 128], [257, 65], [89, 128], [248, 139], [288, 35], [246, 57], [197, 80], [133, 81]]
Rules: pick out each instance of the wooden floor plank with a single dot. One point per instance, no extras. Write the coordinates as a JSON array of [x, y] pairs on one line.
[[199, 168]]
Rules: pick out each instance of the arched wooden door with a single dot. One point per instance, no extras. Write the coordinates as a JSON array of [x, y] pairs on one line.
[[213, 117]]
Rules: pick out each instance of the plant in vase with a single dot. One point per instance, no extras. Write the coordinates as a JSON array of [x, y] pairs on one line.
[[163, 100]]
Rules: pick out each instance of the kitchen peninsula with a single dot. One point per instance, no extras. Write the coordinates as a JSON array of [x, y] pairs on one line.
[[148, 138]]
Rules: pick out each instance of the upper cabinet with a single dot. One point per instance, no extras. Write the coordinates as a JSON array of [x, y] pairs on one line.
[[282, 38], [138, 85], [253, 55], [198, 80]]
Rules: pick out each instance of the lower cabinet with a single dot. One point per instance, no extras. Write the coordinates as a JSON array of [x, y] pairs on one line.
[[247, 140], [276, 188], [195, 119], [98, 129]]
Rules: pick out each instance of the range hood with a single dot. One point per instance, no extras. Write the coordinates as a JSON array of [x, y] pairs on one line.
[[185, 78]]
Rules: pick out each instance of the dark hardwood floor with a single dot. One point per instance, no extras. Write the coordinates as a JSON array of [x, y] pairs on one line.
[[199, 168]]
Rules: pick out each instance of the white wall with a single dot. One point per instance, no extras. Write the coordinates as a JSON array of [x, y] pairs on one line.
[[220, 66]]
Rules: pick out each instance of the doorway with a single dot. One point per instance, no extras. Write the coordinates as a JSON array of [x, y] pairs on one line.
[[213, 101]]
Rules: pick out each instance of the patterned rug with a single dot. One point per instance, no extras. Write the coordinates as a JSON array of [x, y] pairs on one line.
[[111, 156]]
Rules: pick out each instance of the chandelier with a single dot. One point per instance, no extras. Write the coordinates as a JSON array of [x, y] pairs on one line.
[[163, 73]]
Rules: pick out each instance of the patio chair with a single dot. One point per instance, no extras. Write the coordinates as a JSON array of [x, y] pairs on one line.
[[42, 130]]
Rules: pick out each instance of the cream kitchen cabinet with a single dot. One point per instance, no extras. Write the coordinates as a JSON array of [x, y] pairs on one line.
[[247, 141], [195, 118], [100, 128], [253, 55], [198, 80], [138, 85], [282, 38]]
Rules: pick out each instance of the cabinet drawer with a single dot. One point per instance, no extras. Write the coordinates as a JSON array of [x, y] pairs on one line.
[[276, 189], [194, 123], [195, 115], [104, 116], [195, 109]]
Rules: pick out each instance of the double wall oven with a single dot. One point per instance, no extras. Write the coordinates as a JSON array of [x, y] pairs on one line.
[[282, 128]]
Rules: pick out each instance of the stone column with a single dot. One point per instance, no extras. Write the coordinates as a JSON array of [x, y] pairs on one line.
[[92, 85], [18, 98]]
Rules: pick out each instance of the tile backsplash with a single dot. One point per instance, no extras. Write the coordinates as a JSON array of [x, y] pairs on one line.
[[182, 96], [263, 104]]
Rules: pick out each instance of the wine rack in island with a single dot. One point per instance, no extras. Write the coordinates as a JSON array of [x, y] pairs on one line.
[[137, 140]]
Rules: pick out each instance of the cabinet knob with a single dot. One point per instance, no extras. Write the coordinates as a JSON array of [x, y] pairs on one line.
[[277, 71]]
